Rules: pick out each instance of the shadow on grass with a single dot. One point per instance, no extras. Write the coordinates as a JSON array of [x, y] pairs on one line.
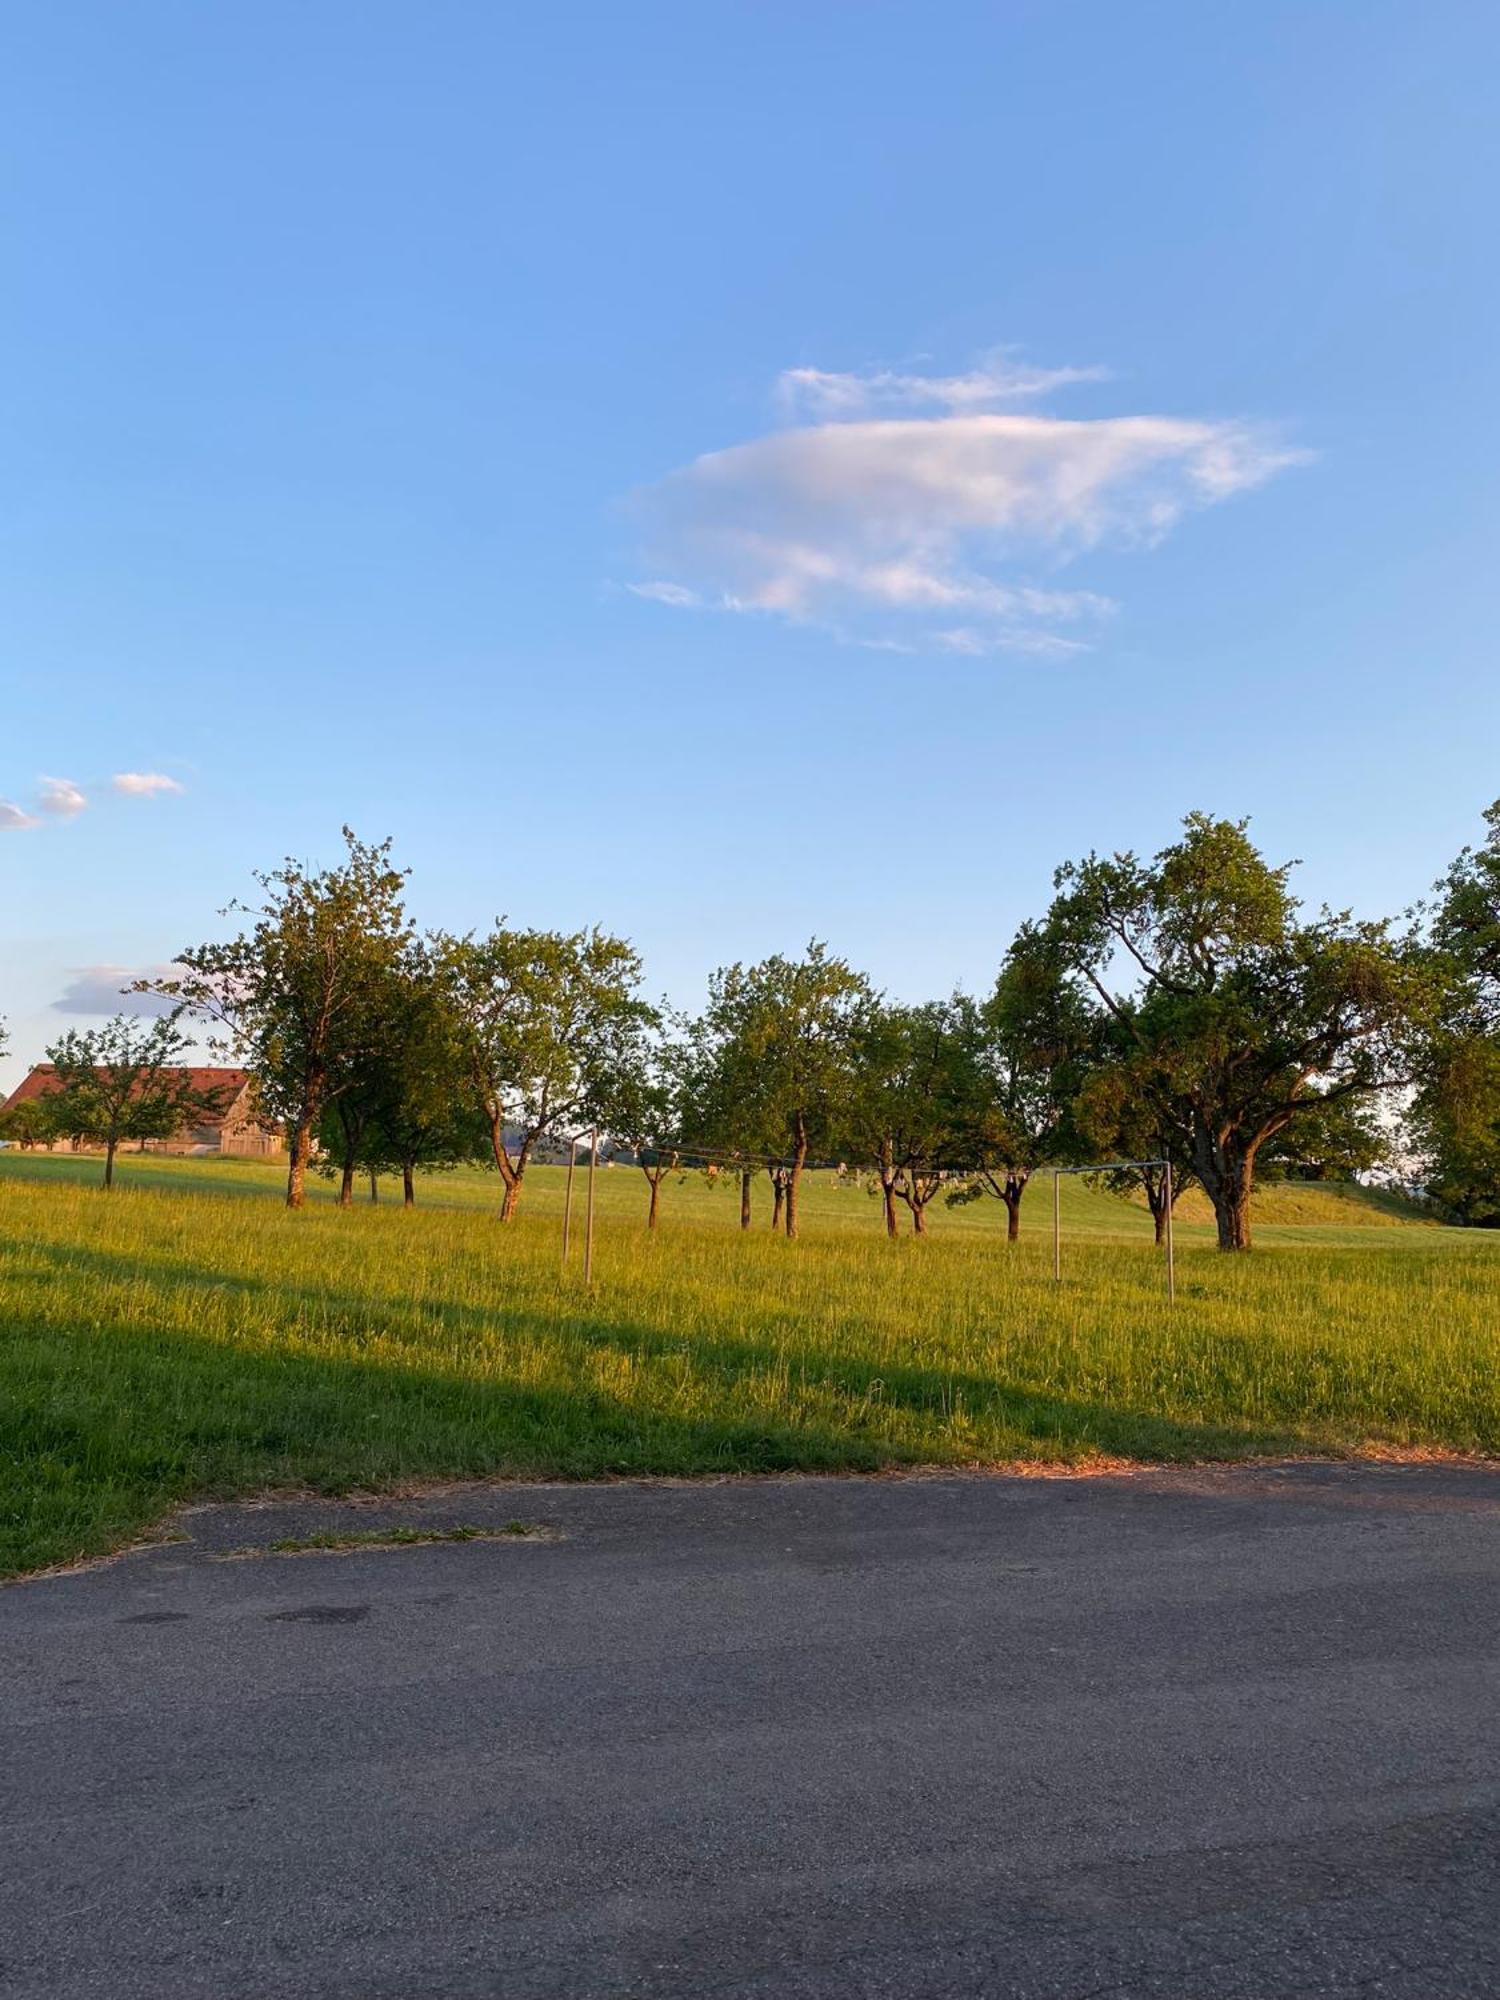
[[104, 1426]]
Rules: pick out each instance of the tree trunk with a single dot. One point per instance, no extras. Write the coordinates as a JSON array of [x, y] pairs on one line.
[[512, 1199], [296, 1171], [346, 1184], [1159, 1217], [745, 1199], [778, 1196], [1012, 1202], [794, 1178], [1227, 1173], [888, 1197], [655, 1180], [374, 1185], [919, 1218], [109, 1162], [408, 1185]]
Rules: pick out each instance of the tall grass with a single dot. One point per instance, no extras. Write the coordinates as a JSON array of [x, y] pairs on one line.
[[185, 1336]]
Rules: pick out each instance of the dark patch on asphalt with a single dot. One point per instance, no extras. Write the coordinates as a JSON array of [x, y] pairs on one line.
[[320, 1614], [155, 1618]]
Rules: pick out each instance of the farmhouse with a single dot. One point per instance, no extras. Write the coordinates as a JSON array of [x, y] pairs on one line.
[[232, 1128]]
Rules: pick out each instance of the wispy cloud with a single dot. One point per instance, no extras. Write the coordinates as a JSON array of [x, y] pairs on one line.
[[998, 382], [60, 798], [932, 530], [144, 784], [105, 989], [14, 818]]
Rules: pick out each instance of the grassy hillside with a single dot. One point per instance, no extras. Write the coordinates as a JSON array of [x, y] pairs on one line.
[[186, 1336]]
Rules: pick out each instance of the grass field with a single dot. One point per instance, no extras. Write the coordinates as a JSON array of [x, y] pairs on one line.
[[186, 1337]]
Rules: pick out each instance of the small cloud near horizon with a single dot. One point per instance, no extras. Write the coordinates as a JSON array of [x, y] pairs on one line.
[[13, 817], [60, 798], [104, 989]]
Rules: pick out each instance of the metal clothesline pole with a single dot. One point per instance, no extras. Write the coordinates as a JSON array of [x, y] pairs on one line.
[[568, 1196], [1113, 1166]]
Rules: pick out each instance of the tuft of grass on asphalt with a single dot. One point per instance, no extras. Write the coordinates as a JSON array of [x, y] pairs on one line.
[[336, 1542], [186, 1338]]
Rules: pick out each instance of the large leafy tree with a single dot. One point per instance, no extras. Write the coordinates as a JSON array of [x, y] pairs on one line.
[[297, 993], [542, 1020], [1244, 1015], [1455, 1115], [785, 1034], [125, 1080]]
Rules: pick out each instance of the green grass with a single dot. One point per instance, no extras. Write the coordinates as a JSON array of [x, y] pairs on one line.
[[185, 1337], [352, 1540]]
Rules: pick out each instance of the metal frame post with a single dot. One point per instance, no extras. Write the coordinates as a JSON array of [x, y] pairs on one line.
[[568, 1197], [1056, 1227], [588, 1228], [1171, 1260]]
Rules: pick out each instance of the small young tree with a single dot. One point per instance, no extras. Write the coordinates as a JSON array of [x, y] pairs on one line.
[[1033, 1040], [293, 992], [1117, 1118], [910, 1100], [786, 1030], [125, 1081], [28, 1124], [541, 1020], [641, 1103], [1245, 1016]]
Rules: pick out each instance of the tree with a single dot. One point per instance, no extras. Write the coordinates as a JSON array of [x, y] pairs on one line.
[[1030, 1046], [541, 1021], [28, 1124], [1244, 1017], [1455, 1114], [908, 1110], [125, 1081], [404, 1104], [1118, 1118], [721, 1110], [642, 1105], [785, 1033], [293, 993]]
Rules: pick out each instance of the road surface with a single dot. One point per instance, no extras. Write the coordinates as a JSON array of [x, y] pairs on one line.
[[1213, 1735]]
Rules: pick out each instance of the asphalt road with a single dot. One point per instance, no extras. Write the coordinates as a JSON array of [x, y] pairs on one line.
[[1200, 1734]]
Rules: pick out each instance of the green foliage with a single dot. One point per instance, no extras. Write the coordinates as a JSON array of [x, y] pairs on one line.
[[123, 1081], [543, 1022], [299, 993], [1455, 1116], [1234, 1015]]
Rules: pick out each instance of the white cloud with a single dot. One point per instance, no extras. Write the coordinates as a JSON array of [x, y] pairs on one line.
[[61, 798], [144, 784], [13, 817], [104, 989], [933, 529], [998, 382], [666, 593]]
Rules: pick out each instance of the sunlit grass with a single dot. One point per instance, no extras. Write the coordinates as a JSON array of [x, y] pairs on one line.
[[185, 1338]]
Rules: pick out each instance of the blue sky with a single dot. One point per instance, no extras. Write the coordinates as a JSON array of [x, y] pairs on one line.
[[736, 472]]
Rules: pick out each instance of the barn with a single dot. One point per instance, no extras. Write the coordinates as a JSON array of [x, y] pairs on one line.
[[233, 1130]]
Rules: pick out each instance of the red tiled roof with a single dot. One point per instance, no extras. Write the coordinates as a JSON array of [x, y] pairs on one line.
[[227, 1083]]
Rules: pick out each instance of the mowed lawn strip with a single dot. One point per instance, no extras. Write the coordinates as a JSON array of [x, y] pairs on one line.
[[185, 1337]]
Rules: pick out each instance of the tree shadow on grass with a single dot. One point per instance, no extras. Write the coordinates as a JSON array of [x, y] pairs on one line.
[[104, 1426]]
